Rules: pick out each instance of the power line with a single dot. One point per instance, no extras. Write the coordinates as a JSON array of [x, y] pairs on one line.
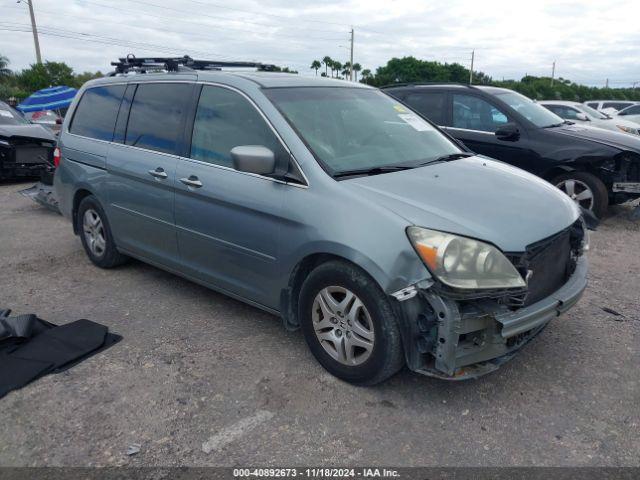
[[62, 33], [147, 28], [285, 17], [200, 14]]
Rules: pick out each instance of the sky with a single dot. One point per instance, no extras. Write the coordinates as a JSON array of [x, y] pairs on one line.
[[590, 41]]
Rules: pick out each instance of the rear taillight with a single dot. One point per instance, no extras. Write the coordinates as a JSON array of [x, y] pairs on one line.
[[56, 157]]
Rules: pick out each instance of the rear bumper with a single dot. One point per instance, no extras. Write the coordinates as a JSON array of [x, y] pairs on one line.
[[457, 341]]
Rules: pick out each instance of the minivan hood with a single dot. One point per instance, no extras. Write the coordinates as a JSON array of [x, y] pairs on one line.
[[623, 141], [475, 197], [26, 131]]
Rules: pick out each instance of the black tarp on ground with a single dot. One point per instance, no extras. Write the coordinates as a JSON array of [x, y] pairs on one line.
[[31, 347]]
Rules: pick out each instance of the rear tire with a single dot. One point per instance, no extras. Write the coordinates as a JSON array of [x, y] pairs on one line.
[[95, 234], [349, 324], [586, 190]]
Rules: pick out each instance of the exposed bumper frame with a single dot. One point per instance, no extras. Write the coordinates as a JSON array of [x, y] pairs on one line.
[[456, 341]]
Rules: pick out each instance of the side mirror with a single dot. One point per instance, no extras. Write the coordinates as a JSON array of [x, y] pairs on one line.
[[253, 159], [508, 131], [582, 117]]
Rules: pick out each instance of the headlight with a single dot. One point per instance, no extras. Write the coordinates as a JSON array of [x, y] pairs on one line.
[[462, 262], [628, 129]]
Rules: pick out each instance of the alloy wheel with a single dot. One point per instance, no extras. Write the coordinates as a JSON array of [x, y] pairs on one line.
[[94, 232], [578, 191], [343, 325]]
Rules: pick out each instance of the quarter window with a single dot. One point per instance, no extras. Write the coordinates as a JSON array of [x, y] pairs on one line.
[[430, 104], [156, 115], [474, 113], [95, 116], [224, 120]]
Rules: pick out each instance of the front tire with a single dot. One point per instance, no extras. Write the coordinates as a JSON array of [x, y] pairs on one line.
[[586, 190], [95, 234], [349, 324]]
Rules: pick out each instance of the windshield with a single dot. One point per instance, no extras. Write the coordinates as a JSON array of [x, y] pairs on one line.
[[351, 129], [532, 111], [8, 116], [592, 112]]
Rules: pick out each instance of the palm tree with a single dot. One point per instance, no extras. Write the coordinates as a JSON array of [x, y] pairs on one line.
[[346, 70], [4, 70], [366, 75], [327, 63], [337, 66], [315, 65], [356, 68]]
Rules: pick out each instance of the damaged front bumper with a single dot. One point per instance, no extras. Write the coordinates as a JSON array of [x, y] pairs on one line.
[[458, 340]]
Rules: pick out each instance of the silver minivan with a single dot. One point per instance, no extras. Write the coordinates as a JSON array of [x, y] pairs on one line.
[[329, 204]]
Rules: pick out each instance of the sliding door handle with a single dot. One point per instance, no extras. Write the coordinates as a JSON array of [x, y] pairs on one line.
[[158, 173], [192, 181]]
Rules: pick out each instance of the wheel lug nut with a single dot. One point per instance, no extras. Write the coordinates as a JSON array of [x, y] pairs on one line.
[[334, 320], [348, 334], [338, 333]]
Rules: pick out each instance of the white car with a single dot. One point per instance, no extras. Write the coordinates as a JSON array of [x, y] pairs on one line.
[[610, 107], [630, 114], [580, 113]]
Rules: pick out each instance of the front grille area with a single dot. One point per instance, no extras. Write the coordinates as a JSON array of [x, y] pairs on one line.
[[548, 267], [549, 263]]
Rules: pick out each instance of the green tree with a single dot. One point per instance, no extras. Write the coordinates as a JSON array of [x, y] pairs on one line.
[[356, 68], [346, 69], [337, 66], [43, 75], [366, 75], [328, 62], [315, 65], [81, 78]]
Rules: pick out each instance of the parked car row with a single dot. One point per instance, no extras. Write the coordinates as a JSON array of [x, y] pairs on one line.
[[339, 208], [595, 167], [580, 113], [610, 107]]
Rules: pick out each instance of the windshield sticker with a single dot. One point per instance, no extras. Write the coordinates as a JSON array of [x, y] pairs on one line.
[[5, 113], [416, 122], [400, 108]]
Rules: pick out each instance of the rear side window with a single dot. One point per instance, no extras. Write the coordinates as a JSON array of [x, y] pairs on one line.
[[474, 113], [224, 120], [97, 111], [632, 110], [593, 105], [430, 104], [155, 119]]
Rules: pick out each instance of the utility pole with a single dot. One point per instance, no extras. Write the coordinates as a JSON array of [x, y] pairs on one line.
[[34, 28], [606, 84], [351, 59], [553, 71], [473, 54]]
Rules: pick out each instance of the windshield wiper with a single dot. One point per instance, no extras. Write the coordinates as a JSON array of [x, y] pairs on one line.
[[553, 125], [447, 158], [373, 170]]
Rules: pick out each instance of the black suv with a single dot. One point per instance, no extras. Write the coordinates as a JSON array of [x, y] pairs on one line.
[[595, 167]]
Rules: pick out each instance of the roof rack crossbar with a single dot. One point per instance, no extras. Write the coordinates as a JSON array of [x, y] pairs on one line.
[[131, 63]]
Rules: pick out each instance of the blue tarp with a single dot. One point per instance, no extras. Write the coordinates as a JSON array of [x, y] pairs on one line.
[[51, 98]]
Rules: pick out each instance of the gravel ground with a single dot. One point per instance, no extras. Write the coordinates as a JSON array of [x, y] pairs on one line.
[[199, 372]]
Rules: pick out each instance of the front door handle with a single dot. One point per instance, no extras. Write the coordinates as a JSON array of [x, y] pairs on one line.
[[192, 181], [158, 173]]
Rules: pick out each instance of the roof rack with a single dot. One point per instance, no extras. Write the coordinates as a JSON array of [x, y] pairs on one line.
[[133, 64]]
